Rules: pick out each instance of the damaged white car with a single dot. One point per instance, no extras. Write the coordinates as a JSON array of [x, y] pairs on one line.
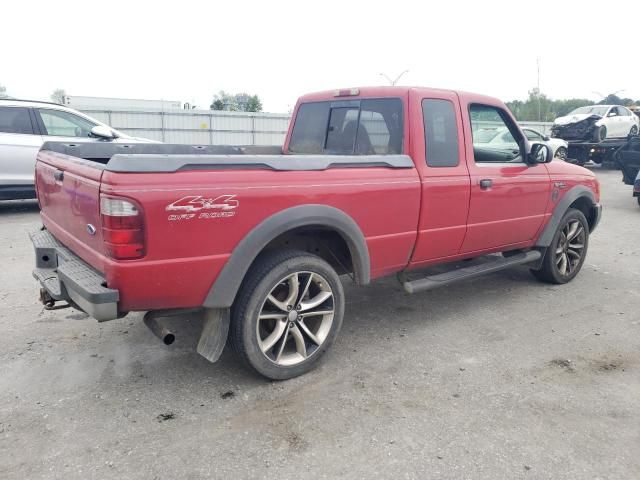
[[596, 123]]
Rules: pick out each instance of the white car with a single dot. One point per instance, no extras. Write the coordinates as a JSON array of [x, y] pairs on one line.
[[596, 123], [26, 125], [500, 137]]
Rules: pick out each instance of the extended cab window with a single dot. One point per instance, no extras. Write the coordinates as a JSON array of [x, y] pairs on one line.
[[440, 133], [64, 124], [348, 127], [15, 120], [495, 138]]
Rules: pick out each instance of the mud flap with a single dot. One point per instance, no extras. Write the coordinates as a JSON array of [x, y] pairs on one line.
[[215, 329]]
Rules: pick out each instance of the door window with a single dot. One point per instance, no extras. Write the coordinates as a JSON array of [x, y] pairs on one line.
[[440, 133], [65, 124], [532, 135], [495, 137], [15, 120]]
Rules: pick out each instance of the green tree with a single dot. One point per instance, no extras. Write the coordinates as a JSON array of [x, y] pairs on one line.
[[227, 100], [58, 96], [217, 104], [539, 107], [254, 104], [241, 102]]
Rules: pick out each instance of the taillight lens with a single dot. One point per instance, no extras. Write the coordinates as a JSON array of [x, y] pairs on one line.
[[122, 228]]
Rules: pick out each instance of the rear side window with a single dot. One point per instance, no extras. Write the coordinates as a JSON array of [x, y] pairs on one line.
[[15, 120], [360, 127], [440, 133]]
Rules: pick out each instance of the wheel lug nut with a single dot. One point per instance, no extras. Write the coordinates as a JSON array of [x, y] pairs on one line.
[[299, 307], [289, 307]]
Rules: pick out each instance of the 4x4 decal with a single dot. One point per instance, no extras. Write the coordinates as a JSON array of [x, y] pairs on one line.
[[193, 205]]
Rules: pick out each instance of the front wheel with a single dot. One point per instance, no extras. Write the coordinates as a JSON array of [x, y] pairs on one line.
[[565, 256], [287, 314], [634, 130], [561, 153]]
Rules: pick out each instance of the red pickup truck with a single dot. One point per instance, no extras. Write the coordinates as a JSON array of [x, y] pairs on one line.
[[370, 182]]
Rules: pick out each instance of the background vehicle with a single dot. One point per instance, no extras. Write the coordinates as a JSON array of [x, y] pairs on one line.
[[628, 159], [372, 182], [26, 125], [502, 135], [596, 123]]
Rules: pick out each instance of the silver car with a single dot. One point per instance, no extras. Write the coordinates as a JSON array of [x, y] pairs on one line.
[[26, 125]]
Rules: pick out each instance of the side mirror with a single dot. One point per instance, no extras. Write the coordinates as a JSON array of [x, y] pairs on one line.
[[100, 131], [546, 138], [539, 153], [612, 114]]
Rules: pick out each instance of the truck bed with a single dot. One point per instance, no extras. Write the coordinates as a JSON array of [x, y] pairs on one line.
[[165, 158]]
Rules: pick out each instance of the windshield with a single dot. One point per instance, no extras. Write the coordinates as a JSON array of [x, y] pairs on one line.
[[593, 109]]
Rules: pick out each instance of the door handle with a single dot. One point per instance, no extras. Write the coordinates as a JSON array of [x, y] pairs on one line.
[[58, 175], [486, 183]]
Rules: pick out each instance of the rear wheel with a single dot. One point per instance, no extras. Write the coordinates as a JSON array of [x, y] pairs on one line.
[[600, 133], [634, 130], [561, 153], [287, 314], [565, 256]]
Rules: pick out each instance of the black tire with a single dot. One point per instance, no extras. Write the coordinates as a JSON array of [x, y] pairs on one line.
[[551, 269], [273, 271], [634, 130], [638, 198], [600, 133], [561, 153]]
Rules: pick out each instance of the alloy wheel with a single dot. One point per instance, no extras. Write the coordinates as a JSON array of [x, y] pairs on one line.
[[570, 247], [295, 318]]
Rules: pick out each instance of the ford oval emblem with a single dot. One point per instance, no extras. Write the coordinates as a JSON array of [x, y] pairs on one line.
[[91, 229]]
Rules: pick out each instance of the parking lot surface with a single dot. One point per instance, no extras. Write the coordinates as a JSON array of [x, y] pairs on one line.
[[498, 378]]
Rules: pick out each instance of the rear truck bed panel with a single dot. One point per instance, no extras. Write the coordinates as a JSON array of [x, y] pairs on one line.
[[199, 207]]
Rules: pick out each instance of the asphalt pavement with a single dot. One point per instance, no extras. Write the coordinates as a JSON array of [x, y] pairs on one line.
[[498, 378]]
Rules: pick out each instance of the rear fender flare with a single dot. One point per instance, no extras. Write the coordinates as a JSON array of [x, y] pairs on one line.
[[223, 291], [545, 238]]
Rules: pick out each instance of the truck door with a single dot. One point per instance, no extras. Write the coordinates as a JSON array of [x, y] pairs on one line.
[[437, 146], [508, 196]]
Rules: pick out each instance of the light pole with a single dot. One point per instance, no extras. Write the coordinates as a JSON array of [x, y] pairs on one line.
[[393, 82]]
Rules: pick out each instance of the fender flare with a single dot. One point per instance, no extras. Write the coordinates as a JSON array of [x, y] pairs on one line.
[[545, 238], [224, 289]]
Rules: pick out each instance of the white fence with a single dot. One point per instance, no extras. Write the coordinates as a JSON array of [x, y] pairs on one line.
[[209, 127], [201, 127]]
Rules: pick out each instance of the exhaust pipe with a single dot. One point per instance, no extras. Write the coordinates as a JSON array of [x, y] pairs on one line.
[[159, 330]]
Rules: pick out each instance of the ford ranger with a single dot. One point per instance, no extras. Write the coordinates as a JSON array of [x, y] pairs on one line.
[[370, 182]]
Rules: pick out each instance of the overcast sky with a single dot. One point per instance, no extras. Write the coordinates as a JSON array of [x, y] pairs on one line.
[[188, 51]]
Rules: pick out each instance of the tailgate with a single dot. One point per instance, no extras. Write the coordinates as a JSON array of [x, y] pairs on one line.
[[69, 194]]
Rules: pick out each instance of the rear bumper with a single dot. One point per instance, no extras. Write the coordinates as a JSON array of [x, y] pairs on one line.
[[64, 276]]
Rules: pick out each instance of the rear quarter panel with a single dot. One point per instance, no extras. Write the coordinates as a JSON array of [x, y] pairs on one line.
[[186, 252]]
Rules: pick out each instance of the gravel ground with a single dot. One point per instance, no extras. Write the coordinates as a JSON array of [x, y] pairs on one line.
[[499, 378]]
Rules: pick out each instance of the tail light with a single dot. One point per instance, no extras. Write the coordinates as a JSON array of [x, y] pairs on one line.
[[122, 228]]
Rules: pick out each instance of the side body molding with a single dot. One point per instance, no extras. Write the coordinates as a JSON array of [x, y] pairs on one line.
[[545, 238], [223, 292]]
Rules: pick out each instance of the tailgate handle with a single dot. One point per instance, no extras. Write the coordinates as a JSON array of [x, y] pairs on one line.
[[58, 175]]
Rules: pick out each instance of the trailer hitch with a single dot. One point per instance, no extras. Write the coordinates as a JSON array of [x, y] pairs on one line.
[[49, 302]]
